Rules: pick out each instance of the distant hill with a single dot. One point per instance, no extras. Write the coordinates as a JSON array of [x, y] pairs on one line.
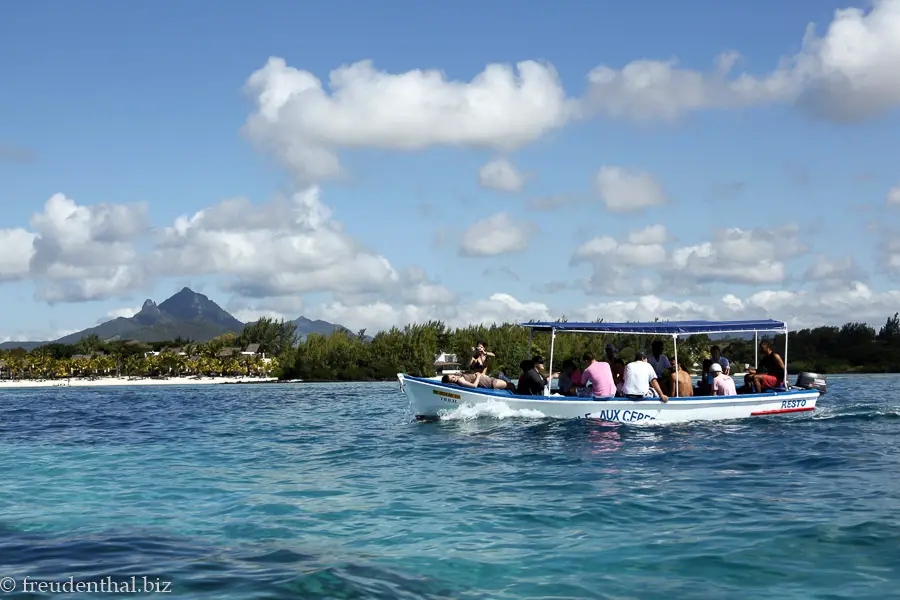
[[306, 326], [187, 314]]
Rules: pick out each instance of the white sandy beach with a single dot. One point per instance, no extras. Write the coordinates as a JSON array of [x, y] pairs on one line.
[[126, 381]]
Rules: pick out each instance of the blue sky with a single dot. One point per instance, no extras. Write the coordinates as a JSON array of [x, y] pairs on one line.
[[122, 103]]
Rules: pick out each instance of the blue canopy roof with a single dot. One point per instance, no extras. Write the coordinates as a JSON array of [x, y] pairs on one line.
[[663, 327]]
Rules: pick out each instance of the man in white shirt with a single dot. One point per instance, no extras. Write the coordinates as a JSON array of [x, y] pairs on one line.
[[658, 360], [640, 378]]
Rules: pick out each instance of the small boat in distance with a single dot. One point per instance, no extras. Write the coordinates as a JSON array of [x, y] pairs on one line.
[[430, 398]]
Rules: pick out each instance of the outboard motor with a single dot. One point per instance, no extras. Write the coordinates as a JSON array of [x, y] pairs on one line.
[[811, 381]]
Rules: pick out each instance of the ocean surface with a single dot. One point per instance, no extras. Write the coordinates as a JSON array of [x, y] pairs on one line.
[[331, 491]]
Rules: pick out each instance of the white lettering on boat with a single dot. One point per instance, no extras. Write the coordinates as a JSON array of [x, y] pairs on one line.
[[623, 416]]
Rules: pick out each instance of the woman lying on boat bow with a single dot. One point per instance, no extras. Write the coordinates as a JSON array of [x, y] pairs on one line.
[[477, 380]]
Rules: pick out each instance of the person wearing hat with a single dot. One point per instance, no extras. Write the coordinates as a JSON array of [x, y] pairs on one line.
[[722, 384], [640, 379]]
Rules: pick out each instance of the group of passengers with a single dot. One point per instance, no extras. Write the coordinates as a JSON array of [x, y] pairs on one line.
[[652, 375]]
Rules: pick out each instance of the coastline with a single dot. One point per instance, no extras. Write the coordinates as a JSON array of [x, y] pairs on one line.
[[128, 381]]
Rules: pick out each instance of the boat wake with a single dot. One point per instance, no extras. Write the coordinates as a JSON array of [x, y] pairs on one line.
[[490, 410]]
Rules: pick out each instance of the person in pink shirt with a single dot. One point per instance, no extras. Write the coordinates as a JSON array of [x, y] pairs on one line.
[[599, 375], [722, 384]]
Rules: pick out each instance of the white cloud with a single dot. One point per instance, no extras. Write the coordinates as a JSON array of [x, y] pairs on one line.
[[126, 313], [652, 234], [249, 315], [847, 74], [288, 246], [628, 190], [734, 255], [850, 73], [304, 126], [854, 301], [87, 252], [501, 175], [643, 263], [893, 196], [834, 272], [646, 90], [497, 234], [18, 249], [380, 315]]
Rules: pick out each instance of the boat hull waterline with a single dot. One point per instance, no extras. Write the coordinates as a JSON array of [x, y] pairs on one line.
[[430, 399]]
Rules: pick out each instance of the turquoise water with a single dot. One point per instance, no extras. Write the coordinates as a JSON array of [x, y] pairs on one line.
[[329, 491]]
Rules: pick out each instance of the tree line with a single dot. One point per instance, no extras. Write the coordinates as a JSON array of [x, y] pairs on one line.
[[344, 356], [222, 356]]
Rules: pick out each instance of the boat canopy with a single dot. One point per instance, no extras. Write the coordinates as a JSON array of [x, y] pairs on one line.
[[661, 327]]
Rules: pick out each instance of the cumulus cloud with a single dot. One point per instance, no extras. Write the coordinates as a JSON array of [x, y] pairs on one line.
[[287, 246], [734, 255], [501, 175], [628, 190], [495, 235], [125, 313], [834, 272], [86, 252], [303, 125], [853, 301], [645, 260], [847, 74], [18, 249], [893, 197]]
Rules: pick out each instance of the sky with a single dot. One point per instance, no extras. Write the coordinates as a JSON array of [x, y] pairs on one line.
[[375, 165]]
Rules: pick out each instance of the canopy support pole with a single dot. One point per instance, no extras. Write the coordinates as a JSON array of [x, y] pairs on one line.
[[675, 341], [550, 371], [785, 358], [756, 350], [530, 337]]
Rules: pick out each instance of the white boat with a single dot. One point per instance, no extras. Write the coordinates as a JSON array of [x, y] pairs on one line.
[[431, 399]]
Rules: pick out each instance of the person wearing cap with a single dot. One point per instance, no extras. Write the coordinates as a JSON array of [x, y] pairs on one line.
[[722, 384], [640, 379]]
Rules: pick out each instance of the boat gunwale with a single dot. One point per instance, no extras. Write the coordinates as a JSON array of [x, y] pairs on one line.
[[502, 394]]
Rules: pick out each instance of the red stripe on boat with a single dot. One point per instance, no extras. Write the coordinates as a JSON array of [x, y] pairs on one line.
[[782, 410]]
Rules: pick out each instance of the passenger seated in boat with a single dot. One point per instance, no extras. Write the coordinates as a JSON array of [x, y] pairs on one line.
[[722, 383], [478, 360], [476, 380], [685, 386], [569, 379], [599, 375], [772, 363], [641, 380], [716, 357], [704, 385], [658, 360], [531, 382], [618, 371]]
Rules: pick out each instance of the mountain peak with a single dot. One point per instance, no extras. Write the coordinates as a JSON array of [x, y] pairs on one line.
[[148, 304]]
